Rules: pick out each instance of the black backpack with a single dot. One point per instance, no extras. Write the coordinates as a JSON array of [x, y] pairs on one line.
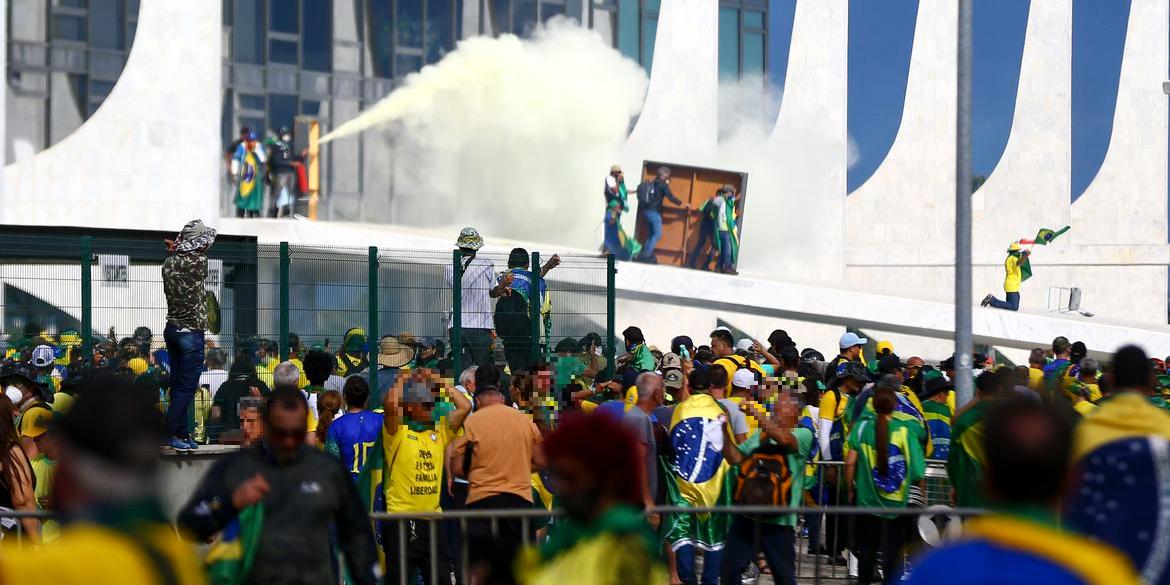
[[764, 478], [645, 192]]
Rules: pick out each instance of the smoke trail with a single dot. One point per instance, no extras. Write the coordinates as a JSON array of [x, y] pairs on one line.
[[513, 136]]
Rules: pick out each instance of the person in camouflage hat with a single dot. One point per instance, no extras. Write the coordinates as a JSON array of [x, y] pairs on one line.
[[184, 272]]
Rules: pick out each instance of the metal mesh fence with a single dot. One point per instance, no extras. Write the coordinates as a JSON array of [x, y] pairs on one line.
[[272, 302]]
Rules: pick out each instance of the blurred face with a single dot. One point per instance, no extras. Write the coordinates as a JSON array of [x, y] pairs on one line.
[[720, 347], [427, 353], [48, 445], [286, 432], [252, 424], [850, 385], [542, 382], [419, 412], [913, 366]]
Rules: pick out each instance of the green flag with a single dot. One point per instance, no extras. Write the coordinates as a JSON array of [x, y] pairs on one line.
[[1046, 235], [1025, 267]]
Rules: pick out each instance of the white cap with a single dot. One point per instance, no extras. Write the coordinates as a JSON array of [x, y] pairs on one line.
[[42, 356], [744, 344], [744, 379]]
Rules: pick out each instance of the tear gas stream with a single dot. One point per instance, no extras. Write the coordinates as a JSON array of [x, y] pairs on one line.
[[513, 136]]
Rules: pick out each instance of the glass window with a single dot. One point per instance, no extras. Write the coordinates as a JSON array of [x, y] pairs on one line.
[[548, 11], [253, 124], [248, 32], [310, 107], [440, 29], [317, 35], [131, 30], [605, 22], [282, 15], [69, 28], [406, 64], [71, 3], [281, 111], [105, 24], [627, 37], [381, 38], [77, 87], [753, 54], [501, 15], [280, 51], [652, 6], [251, 102], [100, 89], [649, 30], [523, 17], [728, 43], [410, 23], [753, 19]]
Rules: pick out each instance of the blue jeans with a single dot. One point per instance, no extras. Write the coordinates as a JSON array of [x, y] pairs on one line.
[[725, 262], [613, 243], [700, 256], [746, 537], [685, 560], [1012, 303], [186, 354], [654, 224]]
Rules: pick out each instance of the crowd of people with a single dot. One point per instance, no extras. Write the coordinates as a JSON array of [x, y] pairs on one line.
[[1061, 458], [718, 239]]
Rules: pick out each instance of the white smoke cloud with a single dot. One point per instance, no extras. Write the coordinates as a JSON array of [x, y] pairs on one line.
[[511, 135]]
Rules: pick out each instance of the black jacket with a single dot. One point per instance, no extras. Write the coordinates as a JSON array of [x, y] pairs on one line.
[[305, 497], [651, 194]]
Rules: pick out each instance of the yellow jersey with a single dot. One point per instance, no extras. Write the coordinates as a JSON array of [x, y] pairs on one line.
[[414, 468], [1011, 282]]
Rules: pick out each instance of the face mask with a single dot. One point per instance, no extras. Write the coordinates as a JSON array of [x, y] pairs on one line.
[[597, 350], [630, 347], [14, 394]]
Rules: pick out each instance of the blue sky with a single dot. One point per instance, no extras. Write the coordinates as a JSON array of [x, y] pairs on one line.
[[880, 41]]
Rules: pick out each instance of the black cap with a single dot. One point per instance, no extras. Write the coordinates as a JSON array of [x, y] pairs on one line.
[[889, 364], [809, 354], [934, 385], [700, 379]]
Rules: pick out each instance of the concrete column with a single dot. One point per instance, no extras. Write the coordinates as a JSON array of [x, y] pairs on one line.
[[149, 158]]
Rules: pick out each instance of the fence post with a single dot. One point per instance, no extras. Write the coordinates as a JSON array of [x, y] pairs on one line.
[[534, 309], [372, 328], [610, 318], [86, 294], [285, 261], [457, 312]]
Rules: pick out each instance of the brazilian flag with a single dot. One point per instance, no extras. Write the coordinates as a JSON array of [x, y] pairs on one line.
[[1046, 235], [1025, 268], [229, 560], [698, 473]]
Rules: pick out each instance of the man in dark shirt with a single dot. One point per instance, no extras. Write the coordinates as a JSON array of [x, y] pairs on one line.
[[281, 191], [183, 273], [650, 195], [242, 383], [304, 493]]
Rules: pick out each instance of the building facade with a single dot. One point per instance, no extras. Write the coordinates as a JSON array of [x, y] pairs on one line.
[[324, 58]]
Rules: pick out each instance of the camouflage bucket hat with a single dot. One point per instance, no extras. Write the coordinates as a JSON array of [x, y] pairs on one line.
[[195, 235], [469, 238]]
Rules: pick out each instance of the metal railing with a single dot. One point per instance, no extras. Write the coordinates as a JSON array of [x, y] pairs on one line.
[[272, 302]]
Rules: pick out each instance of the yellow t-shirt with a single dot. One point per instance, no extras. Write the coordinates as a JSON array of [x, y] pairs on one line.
[[300, 368], [1084, 407], [1035, 379], [43, 468], [92, 555], [1011, 282], [734, 362], [62, 402], [414, 463]]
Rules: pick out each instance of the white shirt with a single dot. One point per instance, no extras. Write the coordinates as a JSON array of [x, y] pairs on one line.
[[478, 281], [721, 216], [213, 379]]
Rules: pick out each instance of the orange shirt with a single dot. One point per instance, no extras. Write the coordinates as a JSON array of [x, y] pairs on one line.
[[502, 440]]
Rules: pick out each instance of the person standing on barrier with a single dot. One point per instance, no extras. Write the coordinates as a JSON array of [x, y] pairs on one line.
[[414, 444], [965, 460], [499, 450], [513, 318], [768, 470], [885, 458], [1119, 456], [478, 287], [604, 539], [107, 485], [304, 493], [183, 273], [1027, 447]]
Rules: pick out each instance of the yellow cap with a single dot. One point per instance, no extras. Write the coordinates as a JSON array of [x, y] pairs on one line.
[[884, 345], [1014, 247], [138, 366]]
